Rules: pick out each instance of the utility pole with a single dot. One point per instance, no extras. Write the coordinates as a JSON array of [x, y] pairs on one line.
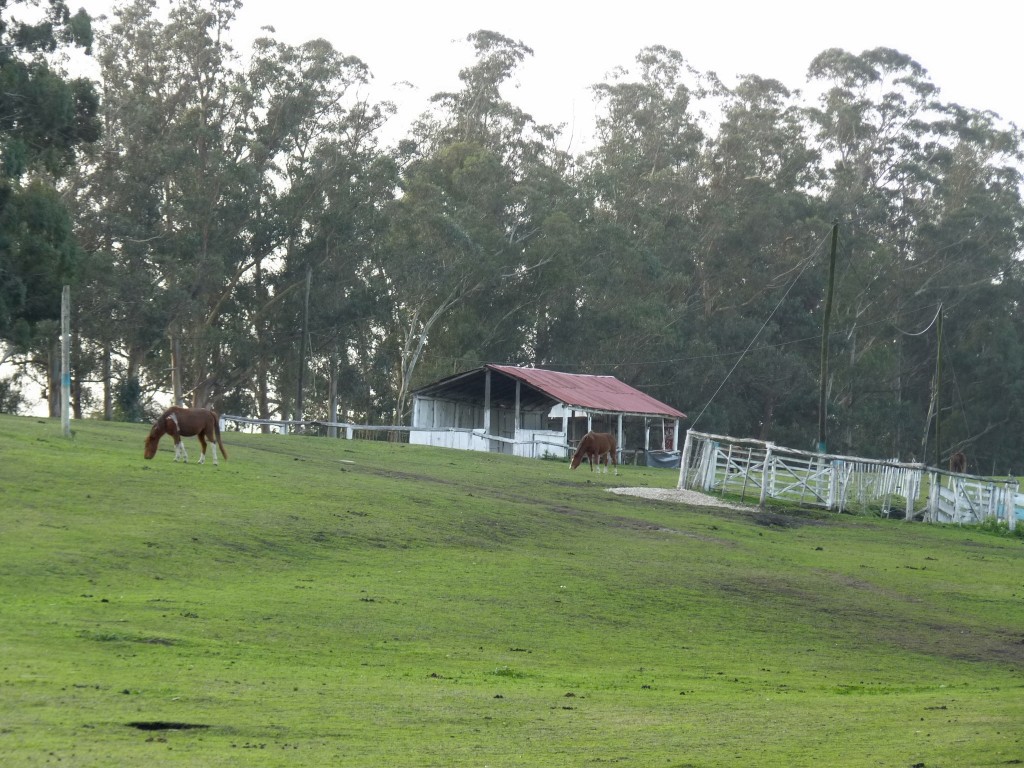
[[823, 385], [65, 360], [938, 390]]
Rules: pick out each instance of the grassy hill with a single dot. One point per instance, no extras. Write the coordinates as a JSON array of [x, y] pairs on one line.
[[320, 602]]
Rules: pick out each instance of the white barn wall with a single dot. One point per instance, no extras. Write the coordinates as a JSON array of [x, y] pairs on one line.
[[459, 425]]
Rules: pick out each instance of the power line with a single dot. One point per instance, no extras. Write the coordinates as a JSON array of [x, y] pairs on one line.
[[807, 263]]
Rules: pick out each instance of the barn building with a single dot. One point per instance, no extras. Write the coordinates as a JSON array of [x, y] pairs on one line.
[[537, 413]]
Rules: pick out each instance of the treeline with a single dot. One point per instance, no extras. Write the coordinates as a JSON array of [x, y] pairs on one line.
[[243, 237]]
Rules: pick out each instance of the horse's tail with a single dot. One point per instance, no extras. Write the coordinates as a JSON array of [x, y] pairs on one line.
[[216, 433]]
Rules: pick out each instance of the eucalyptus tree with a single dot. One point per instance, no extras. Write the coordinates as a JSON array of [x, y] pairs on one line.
[[928, 197], [481, 186], [967, 259], [441, 249], [640, 294], [46, 117], [116, 196], [208, 197], [153, 201], [318, 185], [759, 265], [872, 125]]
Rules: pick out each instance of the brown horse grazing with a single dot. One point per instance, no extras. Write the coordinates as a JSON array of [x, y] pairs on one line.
[[958, 462], [596, 446], [186, 422]]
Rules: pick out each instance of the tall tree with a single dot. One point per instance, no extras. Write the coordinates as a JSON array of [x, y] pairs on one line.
[[45, 117], [465, 249], [916, 183], [210, 189], [639, 293], [759, 234]]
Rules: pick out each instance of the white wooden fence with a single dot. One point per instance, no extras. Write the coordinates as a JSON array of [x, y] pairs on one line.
[[534, 444], [753, 470]]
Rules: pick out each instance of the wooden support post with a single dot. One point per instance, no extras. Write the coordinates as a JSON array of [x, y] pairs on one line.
[[823, 384]]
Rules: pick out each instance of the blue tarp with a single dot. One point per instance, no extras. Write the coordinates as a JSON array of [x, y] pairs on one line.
[[663, 459]]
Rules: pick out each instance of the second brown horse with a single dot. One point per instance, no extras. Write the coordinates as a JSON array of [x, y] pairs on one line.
[[596, 446]]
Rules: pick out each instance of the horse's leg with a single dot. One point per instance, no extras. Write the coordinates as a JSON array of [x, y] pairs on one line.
[[213, 444], [179, 449], [202, 445]]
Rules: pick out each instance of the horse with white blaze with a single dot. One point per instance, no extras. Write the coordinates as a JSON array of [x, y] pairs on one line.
[[186, 422]]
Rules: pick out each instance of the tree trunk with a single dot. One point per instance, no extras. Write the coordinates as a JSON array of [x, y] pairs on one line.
[[108, 394], [332, 395], [176, 369], [262, 400]]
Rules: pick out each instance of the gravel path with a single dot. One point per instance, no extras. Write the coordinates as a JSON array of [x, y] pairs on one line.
[[683, 497]]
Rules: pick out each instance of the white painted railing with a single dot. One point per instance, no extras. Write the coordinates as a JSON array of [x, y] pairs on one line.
[[754, 470], [531, 443]]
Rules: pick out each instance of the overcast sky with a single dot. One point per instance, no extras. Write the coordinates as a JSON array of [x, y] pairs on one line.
[[970, 50]]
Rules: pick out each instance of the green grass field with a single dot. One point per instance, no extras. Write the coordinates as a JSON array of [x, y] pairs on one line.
[[315, 602]]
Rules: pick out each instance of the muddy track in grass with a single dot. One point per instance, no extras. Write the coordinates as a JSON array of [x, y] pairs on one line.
[[713, 505]]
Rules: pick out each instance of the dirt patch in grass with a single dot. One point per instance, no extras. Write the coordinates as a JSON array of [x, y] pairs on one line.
[[693, 498], [767, 518]]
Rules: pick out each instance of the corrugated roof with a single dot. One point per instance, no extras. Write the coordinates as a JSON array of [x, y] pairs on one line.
[[588, 392]]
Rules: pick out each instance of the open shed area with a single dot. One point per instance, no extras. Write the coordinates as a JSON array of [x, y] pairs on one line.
[[537, 413]]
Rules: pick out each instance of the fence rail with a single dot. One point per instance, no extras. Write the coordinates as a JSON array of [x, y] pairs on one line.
[[753, 469], [286, 425], [533, 446], [756, 471]]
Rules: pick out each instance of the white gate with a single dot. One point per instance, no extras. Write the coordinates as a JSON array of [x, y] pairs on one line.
[[755, 470], [966, 499]]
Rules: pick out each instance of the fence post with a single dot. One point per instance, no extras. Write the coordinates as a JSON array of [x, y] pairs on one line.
[[833, 483], [764, 474], [910, 489], [1012, 487], [710, 465], [684, 464], [932, 513], [728, 467]]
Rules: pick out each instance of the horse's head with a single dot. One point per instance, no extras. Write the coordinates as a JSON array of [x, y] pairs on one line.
[[153, 438], [577, 457], [582, 451]]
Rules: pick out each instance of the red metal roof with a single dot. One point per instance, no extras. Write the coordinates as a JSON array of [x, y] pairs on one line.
[[584, 391]]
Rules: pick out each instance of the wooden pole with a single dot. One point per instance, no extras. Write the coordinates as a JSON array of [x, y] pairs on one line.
[[823, 384], [938, 391]]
